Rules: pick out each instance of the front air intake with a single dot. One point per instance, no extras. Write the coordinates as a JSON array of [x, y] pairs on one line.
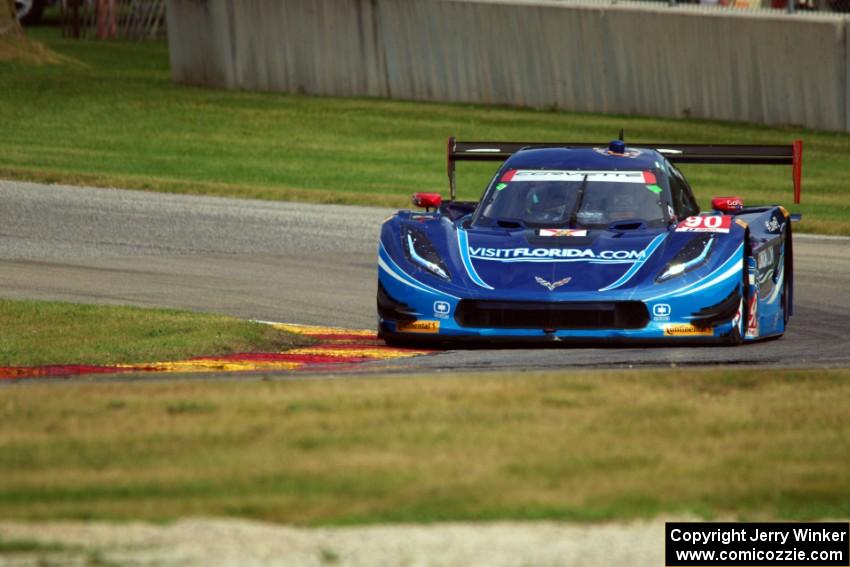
[[544, 315]]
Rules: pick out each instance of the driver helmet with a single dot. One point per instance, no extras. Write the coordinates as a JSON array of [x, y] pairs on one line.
[[623, 204], [546, 201]]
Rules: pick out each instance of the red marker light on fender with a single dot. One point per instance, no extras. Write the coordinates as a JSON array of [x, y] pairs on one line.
[[727, 204], [427, 200]]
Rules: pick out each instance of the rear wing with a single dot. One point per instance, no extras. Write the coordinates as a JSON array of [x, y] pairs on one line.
[[791, 154]]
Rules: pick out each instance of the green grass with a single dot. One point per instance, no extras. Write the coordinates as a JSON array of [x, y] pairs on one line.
[[583, 446], [17, 546], [113, 118], [46, 553], [40, 332]]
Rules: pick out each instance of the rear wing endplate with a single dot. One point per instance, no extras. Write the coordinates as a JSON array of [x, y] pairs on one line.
[[791, 154]]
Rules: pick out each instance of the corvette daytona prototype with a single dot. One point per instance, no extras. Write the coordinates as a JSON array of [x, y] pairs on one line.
[[593, 243]]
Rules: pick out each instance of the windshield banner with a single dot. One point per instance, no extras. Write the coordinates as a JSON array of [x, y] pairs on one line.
[[592, 176]]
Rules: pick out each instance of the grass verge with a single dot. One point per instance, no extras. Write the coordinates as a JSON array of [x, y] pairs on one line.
[[108, 115], [580, 446], [35, 333], [18, 47], [46, 553], [16, 546]]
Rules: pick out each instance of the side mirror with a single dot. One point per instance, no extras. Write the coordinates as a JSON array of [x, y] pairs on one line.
[[427, 200], [727, 204]]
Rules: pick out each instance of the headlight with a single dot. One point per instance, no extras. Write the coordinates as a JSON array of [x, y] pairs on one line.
[[693, 255], [421, 252]]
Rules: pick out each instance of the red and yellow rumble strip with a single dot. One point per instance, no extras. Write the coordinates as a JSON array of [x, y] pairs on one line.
[[335, 349]]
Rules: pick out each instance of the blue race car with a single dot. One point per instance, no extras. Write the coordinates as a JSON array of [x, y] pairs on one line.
[[593, 243]]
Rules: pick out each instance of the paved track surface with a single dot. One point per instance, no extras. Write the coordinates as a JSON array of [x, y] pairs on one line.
[[315, 264]]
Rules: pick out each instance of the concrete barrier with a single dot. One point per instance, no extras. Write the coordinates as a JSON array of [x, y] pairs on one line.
[[317, 46], [631, 59]]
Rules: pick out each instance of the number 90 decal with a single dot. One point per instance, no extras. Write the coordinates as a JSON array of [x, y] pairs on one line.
[[710, 223]]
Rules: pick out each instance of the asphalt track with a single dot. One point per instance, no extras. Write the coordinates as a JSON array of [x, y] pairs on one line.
[[315, 264]]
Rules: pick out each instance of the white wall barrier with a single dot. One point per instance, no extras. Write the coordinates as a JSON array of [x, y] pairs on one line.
[[633, 58]]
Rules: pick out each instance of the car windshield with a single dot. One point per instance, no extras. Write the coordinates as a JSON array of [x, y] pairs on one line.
[[576, 198]]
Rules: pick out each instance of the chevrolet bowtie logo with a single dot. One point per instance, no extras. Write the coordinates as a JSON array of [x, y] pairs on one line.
[[553, 285]]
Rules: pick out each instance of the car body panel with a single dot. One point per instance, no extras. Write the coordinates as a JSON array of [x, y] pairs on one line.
[[738, 284]]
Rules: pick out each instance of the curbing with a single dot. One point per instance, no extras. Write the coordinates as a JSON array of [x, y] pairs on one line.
[[336, 349]]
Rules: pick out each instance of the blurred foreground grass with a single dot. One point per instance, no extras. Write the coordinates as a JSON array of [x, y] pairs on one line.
[[583, 446], [109, 116]]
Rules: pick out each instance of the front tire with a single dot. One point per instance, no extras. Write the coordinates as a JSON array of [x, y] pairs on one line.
[[395, 341], [736, 337], [785, 300]]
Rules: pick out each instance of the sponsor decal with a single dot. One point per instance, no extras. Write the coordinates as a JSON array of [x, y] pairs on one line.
[[773, 225], [752, 271], [727, 203], [654, 188], [661, 312], [576, 175], [551, 286], [687, 331], [421, 326], [563, 232], [765, 258], [442, 309], [555, 254], [710, 223], [649, 178], [629, 153], [753, 317], [508, 175], [501, 186]]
